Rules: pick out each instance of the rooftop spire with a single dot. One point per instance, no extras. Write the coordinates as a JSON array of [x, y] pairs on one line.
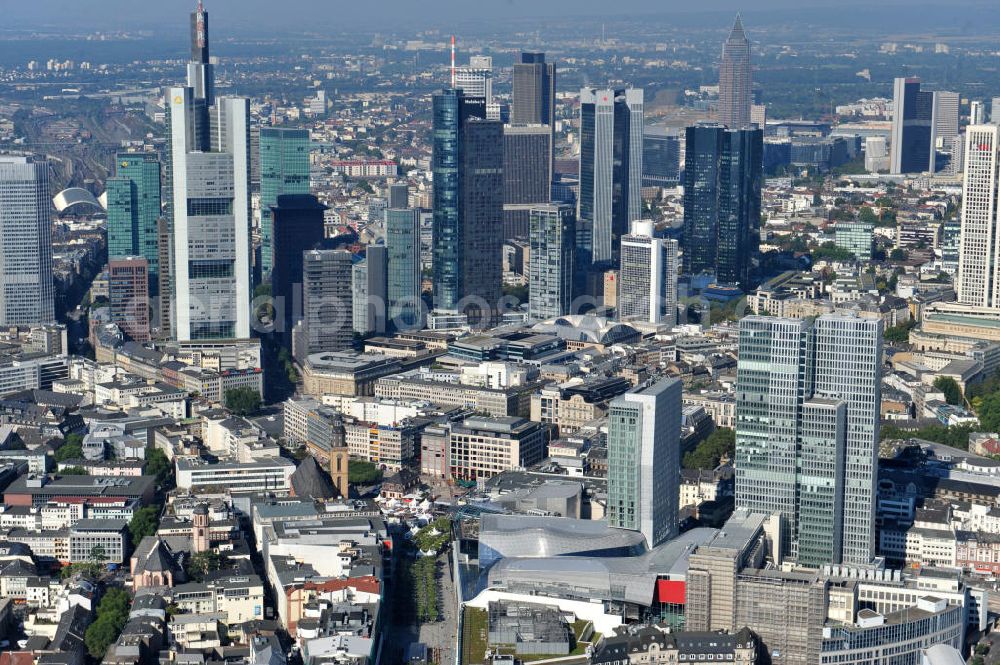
[[737, 31], [199, 34]]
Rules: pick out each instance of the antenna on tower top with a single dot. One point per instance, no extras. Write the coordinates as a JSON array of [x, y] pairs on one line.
[[453, 61], [201, 7]]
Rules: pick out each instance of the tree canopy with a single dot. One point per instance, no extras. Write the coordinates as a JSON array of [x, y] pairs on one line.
[[952, 391], [243, 401], [718, 445], [144, 522]]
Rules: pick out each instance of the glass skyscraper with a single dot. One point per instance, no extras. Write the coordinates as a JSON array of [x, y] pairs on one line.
[[298, 222], [703, 146], [808, 401], [467, 163], [661, 158], [134, 208], [533, 96], [740, 180], [284, 169], [723, 176], [527, 178], [644, 428], [550, 261], [911, 149], [402, 242], [611, 147]]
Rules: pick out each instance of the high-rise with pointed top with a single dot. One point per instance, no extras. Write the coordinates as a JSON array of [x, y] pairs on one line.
[[735, 79], [208, 202]]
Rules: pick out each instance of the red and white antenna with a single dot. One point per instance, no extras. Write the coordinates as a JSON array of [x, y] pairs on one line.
[[453, 61]]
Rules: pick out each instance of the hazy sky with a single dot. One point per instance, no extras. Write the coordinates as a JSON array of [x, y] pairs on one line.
[[340, 14]]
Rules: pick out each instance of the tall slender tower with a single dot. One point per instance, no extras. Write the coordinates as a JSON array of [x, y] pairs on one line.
[[200, 73], [644, 460], [134, 208], [533, 95], [979, 237], [550, 271], [611, 133], [27, 292], [722, 201], [912, 147], [284, 169], [208, 185], [467, 162], [735, 79]]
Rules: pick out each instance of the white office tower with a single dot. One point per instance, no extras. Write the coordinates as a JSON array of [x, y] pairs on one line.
[[946, 107], [644, 428], [209, 179], [476, 80], [611, 141], [808, 402], [977, 114], [27, 292], [979, 239], [957, 163], [647, 277], [876, 154], [995, 110]]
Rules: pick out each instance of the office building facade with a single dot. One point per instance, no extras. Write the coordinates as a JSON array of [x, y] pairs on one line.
[[946, 113], [297, 221], [723, 177], [128, 294], [979, 237], [402, 243], [533, 95], [703, 148], [134, 200], [611, 131], [735, 79], [644, 460], [467, 164], [284, 169], [661, 158], [370, 294], [550, 272], [327, 303], [527, 175], [740, 181], [208, 185], [807, 430], [647, 277], [912, 143], [27, 290]]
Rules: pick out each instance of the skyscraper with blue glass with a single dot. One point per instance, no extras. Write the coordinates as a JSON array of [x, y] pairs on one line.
[[467, 164], [723, 175], [402, 242], [134, 208], [284, 169]]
